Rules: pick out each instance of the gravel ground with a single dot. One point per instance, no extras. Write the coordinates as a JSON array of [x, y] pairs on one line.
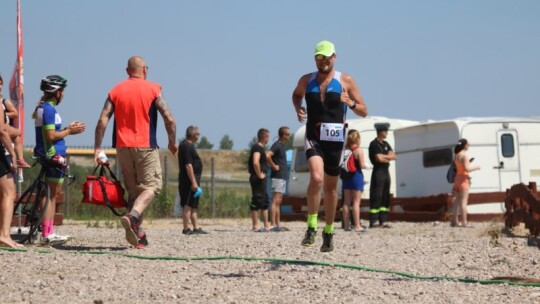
[[74, 274]]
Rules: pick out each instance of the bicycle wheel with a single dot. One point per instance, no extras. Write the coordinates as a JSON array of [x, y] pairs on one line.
[[29, 211]]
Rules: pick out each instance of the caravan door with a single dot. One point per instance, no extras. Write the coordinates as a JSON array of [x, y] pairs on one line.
[[508, 154], [298, 174]]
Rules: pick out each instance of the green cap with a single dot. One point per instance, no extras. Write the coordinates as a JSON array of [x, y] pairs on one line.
[[325, 48]]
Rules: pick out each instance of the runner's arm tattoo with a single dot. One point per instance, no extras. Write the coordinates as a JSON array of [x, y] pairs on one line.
[[101, 126], [170, 124]]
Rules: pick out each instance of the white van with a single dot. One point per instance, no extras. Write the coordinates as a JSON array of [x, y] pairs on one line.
[[299, 171], [507, 149]]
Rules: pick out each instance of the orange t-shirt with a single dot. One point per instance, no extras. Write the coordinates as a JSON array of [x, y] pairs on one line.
[[135, 113]]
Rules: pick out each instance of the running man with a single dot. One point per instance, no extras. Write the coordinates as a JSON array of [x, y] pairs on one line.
[[278, 163], [328, 94], [135, 103]]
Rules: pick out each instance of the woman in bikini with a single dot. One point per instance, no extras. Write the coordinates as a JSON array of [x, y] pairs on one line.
[[461, 183]]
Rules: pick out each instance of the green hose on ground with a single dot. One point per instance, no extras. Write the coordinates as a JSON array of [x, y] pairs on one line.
[[296, 262]]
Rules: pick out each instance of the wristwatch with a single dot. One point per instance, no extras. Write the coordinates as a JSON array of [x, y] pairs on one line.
[[353, 106]]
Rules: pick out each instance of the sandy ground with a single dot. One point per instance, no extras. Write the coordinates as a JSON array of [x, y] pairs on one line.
[[74, 273]]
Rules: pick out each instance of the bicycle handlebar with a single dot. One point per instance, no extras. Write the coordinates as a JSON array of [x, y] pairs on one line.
[[56, 162]]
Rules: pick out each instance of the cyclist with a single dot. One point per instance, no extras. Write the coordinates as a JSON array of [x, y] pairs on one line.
[[50, 144]]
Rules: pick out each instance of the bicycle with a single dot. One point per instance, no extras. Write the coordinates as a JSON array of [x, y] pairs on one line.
[[30, 206]]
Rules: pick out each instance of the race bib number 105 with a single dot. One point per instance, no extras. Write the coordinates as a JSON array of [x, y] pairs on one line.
[[332, 132]]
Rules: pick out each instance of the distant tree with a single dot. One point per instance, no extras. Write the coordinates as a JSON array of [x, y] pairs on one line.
[[204, 144], [226, 143]]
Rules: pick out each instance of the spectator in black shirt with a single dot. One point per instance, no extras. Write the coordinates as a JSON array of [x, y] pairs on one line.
[[190, 167], [257, 179]]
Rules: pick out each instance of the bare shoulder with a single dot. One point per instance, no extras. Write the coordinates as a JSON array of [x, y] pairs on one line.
[[300, 89], [348, 83], [304, 79], [347, 78]]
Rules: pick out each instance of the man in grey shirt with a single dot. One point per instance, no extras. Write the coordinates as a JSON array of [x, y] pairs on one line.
[[278, 163]]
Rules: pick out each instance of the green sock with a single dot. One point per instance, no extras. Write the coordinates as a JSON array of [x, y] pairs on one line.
[[312, 221], [329, 228]]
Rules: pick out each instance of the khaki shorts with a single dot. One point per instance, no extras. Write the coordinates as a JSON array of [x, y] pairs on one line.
[[141, 170]]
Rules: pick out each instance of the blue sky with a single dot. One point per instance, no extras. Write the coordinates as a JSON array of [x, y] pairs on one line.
[[230, 66]]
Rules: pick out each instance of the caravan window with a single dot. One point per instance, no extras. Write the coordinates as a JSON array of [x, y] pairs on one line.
[[436, 158], [300, 161], [507, 145]]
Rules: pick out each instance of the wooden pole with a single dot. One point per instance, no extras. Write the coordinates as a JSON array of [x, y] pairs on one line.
[[67, 200], [165, 173], [212, 183]]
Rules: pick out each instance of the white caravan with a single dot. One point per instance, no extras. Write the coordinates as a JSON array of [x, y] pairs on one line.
[[299, 171], [507, 150]]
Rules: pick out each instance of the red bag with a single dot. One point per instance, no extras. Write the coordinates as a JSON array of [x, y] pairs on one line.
[[100, 190], [349, 163]]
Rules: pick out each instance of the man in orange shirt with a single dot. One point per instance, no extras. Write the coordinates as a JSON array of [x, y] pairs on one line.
[[135, 103]]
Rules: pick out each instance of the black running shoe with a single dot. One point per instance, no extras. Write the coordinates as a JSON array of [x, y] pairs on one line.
[[143, 241], [309, 237], [199, 231], [373, 225], [187, 231], [131, 225], [328, 242]]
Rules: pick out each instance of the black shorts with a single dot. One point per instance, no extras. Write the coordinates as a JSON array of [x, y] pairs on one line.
[[259, 197], [186, 198], [331, 153], [5, 167], [186, 195]]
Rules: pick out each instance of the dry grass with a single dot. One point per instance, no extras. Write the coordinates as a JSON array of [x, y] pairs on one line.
[[227, 164]]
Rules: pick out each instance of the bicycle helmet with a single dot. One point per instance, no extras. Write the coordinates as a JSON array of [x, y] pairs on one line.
[[53, 83]]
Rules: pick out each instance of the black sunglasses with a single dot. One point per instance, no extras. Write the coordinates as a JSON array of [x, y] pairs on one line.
[[322, 57]]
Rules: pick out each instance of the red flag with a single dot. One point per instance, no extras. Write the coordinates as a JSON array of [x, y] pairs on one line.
[[16, 85]]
